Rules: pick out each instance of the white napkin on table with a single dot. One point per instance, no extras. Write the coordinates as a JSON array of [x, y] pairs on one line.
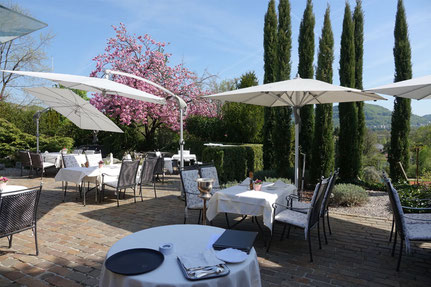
[[200, 260]]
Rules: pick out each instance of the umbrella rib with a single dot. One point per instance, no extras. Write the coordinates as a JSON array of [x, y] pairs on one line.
[[277, 98], [290, 98], [314, 97]]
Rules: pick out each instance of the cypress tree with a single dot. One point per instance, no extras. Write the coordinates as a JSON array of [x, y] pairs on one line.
[[323, 144], [399, 148], [305, 70], [270, 66], [348, 113], [282, 132], [358, 20]]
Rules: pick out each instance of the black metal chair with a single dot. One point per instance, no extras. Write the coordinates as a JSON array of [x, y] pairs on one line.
[[192, 201], [25, 158], [38, 163], [126, 179], [306, 221], [159, 168], [408, 228], [148, 174], [18, 212]]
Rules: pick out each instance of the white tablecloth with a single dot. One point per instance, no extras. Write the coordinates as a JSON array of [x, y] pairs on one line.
[[52, 157], [9, 188], [168, 165], [186, 157], [240, 200], [187, 239], [77, 174]]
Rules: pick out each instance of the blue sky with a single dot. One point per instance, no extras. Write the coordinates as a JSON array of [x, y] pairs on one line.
[[225, 37]]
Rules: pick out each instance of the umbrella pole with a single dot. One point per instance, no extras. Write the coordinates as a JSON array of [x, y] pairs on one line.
[[37, 134], [181, 139], [297, 117]]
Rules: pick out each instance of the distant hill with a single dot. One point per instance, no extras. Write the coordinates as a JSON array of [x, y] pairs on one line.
[[378, 117]]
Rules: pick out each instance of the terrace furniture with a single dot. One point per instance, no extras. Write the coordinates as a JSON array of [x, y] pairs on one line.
[[188, 239], [52, 157], [191, 193], [18, 208], [38, 163], [148, 174], [303, 206], [239, 199], [126, 179], [25, 158], [159, 168], [408, 228], [210, 171], [94, 159], [307, 220]]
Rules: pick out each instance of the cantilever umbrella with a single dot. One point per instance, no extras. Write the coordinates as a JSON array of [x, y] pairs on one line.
[[418, 88], [295, 93], [75, 108], [92, 84]]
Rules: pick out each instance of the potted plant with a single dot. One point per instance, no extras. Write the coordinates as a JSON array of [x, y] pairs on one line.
[[3, 182], [101, 164], [257, 185]]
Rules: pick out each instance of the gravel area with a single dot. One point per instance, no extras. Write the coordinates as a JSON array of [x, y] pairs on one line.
[[377, 206]]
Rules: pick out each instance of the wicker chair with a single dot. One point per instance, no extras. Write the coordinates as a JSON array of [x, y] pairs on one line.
[[148, 174], [38, 164], [189, 175], [306, 221], [25, 160], [408, 228], [126, 179], [18, 213]]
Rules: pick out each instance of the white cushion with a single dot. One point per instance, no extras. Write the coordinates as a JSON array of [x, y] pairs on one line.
[[113, 183], [292, 217], [424, 218], [419, 231]]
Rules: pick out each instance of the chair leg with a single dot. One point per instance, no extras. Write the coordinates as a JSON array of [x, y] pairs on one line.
[[401, 253], [395, 242], [154, 187], [134, 193], [9, 238], [309, 246], [140, 191], [327, 219], [324, 229], [35, 240], [118, 198], [65, 189], [270, 238], [318, 233], [392, 229], [85, 193], [284, 230]]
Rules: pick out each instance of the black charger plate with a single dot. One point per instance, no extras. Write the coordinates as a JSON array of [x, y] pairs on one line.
[[134, 261]]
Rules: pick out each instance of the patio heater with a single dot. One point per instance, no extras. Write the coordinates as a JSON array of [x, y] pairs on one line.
[[181, 103]]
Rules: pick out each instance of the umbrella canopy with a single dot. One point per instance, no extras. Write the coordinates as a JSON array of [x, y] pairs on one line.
[[92, 84], [75, 108], [419, 88], [295, 93], [14, 24]]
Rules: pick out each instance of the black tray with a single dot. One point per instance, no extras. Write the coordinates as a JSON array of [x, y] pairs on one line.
[[134, 261], [188, 276]]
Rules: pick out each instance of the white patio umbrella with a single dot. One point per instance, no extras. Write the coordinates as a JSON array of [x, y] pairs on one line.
[[76, 109], [92, 84], [418, 88], [14, 24], [295, 93]]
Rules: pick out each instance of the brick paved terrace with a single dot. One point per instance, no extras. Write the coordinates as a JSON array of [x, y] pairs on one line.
[[73, 241]]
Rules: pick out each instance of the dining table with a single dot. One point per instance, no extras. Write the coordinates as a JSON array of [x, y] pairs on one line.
[[94, 173], [185, 239], [239, 199]]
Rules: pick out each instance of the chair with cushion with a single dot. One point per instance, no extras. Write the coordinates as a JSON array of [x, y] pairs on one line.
[[409, 228], [25, 158], [190, 187], [94, 159], [126, 179], [18, 212], [38, 163], [148, 174], [305, 221], [303, 206], [210, 171]]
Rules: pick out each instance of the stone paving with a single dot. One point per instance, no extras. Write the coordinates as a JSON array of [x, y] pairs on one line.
[[73, 241]]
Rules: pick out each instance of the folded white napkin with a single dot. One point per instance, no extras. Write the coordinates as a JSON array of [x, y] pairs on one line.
[[279, 184], [245, 182], [202, 259]]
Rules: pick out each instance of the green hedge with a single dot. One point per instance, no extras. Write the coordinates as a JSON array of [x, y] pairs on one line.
[[12, 140], [233, 162]]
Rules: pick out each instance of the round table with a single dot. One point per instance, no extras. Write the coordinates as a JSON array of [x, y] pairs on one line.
[[10, 188], [187, 239]]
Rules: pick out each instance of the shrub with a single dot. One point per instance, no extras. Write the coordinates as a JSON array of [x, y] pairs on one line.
[[409, 195], [205, 128], [262, 174], [233, 162], [371, 175], [349, 195], [274, 179]]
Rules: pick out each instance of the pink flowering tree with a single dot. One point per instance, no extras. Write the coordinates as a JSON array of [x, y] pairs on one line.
[[146, 58]]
